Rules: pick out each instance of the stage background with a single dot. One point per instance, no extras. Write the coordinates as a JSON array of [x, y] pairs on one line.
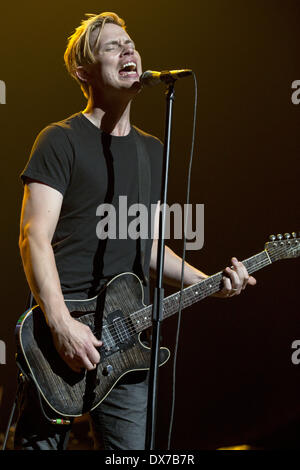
[[235, 379]]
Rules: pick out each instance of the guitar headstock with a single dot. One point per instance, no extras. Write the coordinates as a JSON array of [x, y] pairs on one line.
[[283, 246]]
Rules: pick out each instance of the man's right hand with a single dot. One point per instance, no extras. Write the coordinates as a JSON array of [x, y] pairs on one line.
[[76, 344]]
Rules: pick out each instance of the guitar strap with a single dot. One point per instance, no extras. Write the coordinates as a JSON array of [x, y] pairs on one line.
[[144, 176]]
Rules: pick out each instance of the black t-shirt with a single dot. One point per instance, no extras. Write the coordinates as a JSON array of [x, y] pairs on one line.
[[91, 168]]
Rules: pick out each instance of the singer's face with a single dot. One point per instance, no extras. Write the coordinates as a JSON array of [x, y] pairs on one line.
[[118, 64]]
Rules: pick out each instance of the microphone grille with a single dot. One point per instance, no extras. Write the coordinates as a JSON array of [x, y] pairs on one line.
[[149, 77]]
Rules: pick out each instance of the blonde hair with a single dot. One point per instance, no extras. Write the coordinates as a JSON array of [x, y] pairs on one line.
[[81, 45]]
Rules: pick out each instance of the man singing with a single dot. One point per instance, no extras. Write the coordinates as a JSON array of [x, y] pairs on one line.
[[77, 164]]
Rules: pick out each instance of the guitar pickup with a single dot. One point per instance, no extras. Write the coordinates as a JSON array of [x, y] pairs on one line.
[[118, 333]]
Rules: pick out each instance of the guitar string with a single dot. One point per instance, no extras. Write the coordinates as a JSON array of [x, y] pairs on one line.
[[189, 290], [170, 306], [133, 329], [171, 302]]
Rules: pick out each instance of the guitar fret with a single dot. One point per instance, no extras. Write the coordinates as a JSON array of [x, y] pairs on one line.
[[262, 259], [143, 318]]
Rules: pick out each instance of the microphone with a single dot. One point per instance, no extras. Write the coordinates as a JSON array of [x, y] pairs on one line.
[[150, 77]]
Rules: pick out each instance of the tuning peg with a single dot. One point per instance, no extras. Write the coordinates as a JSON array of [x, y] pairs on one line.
[[272, 238], [294, 235], [279, 236], [287, 236]]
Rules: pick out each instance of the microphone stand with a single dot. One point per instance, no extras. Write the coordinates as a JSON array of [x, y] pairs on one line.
[[157, 312]]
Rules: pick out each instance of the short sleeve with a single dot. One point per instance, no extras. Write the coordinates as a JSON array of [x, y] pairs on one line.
[[51, 159]]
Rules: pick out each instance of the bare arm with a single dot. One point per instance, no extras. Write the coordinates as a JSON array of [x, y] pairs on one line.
[[173, 266], [234, 281], [40, 212]]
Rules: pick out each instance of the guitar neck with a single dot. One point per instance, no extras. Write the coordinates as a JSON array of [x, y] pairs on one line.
[[192, 294]]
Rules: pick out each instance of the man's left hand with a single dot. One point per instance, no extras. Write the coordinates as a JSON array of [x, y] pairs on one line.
[[235, 280]]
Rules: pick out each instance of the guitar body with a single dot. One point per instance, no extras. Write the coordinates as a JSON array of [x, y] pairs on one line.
[[72, 394], [117, 316]]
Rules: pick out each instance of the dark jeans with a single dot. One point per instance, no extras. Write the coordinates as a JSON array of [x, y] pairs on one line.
[[118, 423]]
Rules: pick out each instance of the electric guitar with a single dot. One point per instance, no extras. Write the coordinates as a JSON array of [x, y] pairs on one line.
[[117, 315]]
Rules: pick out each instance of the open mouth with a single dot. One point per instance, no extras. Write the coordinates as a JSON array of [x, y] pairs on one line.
[[128, 69]]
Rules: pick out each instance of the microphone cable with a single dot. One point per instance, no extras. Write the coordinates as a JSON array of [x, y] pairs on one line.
[[183, 263]]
